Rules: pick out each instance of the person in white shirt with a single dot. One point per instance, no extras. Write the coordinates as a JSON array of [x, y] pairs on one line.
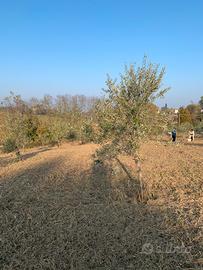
[[191, 135]]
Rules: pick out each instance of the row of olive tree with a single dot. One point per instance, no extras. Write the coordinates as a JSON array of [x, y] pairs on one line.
[[24, 126]]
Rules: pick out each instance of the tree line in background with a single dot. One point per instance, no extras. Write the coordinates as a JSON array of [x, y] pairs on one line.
[[127, 108], [192, 113], [46, 121], [185, 118]]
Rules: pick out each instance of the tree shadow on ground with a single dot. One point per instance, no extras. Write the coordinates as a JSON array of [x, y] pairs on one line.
[[5, 161], [32, 154], [52, 219]]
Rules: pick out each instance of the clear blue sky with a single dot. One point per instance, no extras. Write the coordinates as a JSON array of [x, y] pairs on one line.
[[58, 47]]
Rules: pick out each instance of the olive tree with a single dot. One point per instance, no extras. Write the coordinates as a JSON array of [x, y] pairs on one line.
[[58, 129], [123, 116], [20, 126]]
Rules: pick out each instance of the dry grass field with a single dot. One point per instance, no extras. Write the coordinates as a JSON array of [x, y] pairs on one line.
[[59, 210]]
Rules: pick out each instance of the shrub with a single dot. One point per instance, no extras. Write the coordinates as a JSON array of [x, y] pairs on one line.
[[31, 124], [58, 130], [185, 127], [87, 133], [199, 127], [44, 134], [9, 145], [72, 135], [185, 116]]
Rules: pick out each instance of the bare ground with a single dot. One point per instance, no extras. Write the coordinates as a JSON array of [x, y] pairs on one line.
[[59, 210]]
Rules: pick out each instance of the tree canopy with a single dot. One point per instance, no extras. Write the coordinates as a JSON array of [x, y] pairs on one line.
[[123, 115]]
